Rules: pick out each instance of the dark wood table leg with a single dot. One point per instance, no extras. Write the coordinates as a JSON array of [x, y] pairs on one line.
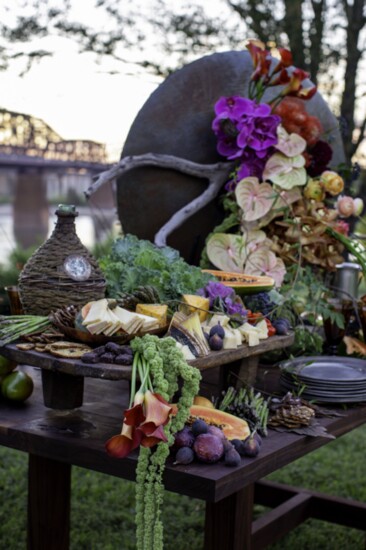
[[228, 523], [49, 491]]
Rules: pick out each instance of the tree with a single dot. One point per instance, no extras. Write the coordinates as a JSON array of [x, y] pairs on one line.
[[327, 38]]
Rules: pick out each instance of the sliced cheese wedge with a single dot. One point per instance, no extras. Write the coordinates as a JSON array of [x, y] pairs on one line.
[[96, 313]]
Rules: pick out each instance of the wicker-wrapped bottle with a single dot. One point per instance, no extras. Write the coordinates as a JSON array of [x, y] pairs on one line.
[[61, 271]]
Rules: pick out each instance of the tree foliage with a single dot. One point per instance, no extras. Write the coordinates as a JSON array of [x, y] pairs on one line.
[[327, 38]]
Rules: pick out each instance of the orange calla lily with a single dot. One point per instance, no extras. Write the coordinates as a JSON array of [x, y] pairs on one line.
[[156, 409], [142, 425], [123, 444]]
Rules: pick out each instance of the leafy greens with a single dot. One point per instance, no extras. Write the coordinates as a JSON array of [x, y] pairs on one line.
[[134, 262]]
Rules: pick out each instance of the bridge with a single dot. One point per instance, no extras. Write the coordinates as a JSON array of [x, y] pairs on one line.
[[34, 159]]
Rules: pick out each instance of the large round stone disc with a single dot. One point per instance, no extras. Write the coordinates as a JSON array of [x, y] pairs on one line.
[[176, 120]]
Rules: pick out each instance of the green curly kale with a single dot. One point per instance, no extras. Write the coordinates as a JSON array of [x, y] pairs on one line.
[[134, 262]]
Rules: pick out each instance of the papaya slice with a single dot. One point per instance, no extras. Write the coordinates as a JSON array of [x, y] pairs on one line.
[[203, 402], [232, 426], [243, 284]]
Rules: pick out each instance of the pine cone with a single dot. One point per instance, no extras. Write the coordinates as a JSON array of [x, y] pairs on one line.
[[127, 301], [64, 316]]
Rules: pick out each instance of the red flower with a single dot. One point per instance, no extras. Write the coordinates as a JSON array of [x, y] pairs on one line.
[[261, 59], [281, 78], [286, 57], [295, 87], [142, 425]]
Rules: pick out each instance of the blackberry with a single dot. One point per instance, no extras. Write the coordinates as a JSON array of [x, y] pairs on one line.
[[260, 302]]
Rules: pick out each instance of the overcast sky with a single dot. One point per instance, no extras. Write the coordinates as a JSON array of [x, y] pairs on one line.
[[78, 98]]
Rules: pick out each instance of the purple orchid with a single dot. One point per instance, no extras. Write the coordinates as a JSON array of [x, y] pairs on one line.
[[246, 131]]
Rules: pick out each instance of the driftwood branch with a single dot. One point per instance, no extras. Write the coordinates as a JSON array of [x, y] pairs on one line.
[[216, 174]]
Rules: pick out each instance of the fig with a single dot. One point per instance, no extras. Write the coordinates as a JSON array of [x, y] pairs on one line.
[[232, 457], [215, 430], [251, 447], [215, 342], [238, 446], [185, 455], [184, 438], [208, 448], [217, 329], [257, 437], [281, 325], [199, 426], [227, 445]]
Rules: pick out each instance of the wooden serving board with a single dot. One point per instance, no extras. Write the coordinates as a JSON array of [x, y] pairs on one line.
[[76, 367]]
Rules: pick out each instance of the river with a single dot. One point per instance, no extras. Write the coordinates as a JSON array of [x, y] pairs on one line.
[[92, 225]]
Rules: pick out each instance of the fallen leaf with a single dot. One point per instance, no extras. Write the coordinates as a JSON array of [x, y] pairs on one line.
[[353, 345]]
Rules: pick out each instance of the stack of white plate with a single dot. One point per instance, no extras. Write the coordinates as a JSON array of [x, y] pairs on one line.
[[325, 379]]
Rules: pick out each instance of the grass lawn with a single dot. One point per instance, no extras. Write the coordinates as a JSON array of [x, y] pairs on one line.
[[103, 506]]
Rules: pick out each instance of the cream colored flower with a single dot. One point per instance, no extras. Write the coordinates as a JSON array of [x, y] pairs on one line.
[[286, 172], [332, 182], [290, 145]]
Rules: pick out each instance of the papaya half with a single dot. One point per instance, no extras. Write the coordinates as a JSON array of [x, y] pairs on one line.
[[242, 283], [232, 426]]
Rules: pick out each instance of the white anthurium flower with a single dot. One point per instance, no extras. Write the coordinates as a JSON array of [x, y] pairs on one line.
[[265, 262], [229, 252], [285, 172], [290, 145], [254, 198]]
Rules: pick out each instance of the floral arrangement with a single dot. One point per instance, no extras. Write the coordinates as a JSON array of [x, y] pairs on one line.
[[289, 205], [149, 425]]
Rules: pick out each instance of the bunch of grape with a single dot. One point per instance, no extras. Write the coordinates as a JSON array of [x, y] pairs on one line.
[[260, 302]]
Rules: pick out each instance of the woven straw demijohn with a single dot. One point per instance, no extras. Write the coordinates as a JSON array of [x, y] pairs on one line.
[[61, 271]]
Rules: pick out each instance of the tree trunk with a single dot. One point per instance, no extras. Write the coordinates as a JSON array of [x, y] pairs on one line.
[[316, 39], [293, 26], [356, 21]]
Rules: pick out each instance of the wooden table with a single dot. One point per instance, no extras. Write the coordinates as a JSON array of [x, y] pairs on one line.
[[63, 379], [56, 440]]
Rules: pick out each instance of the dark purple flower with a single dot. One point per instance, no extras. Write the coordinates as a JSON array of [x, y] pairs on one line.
[[233, 308], [319, 157], [250, 165], [227, 146]]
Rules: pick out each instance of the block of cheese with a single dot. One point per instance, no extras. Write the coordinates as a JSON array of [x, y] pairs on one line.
[[193, 303], [159, 311]]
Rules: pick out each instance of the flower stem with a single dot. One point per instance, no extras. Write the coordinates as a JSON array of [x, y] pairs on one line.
[[133, 378]]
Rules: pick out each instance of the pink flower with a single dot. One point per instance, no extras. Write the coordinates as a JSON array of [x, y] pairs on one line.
[[342, 227], [345, 206]]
